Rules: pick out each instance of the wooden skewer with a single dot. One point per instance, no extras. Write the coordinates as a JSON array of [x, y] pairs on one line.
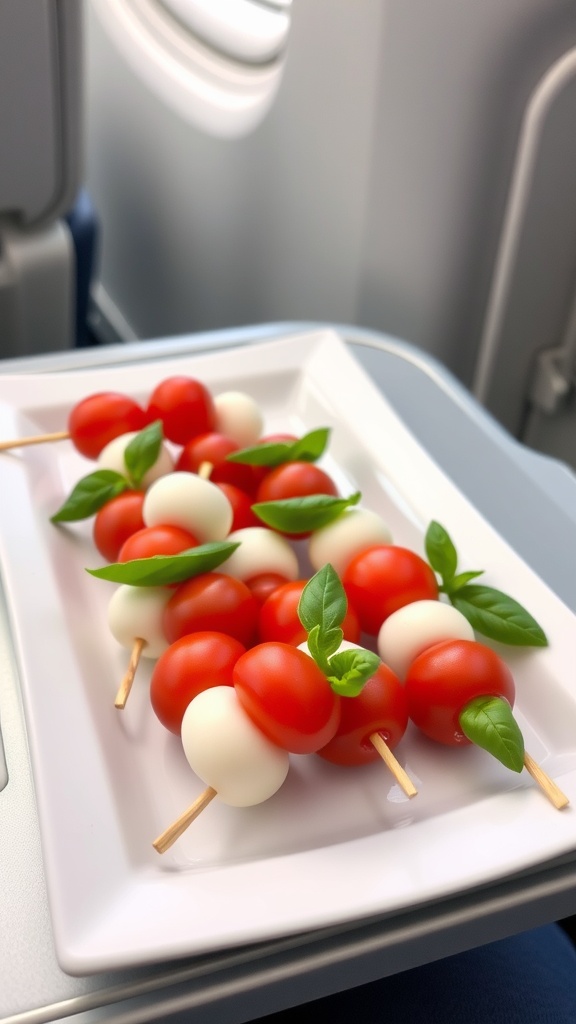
[[547, 785], [402, 778], [205, 470], [60, 435], [175, 830], [126, 684]]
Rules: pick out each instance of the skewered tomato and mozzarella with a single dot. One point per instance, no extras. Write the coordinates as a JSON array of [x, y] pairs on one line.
[[212, 449], [117, 520], [112, 457], [189, 501], [192, 664], [287, 696], [185, 407], [279, 619], [351, 532], [380, 709], [260, 551], [239, 417], [213, 601], [136, 613], [100, 418], [156, 540], [381, 579], [229, 752], [417, 626]]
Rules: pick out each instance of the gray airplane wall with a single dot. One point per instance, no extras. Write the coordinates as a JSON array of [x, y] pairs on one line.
[[391, 184]]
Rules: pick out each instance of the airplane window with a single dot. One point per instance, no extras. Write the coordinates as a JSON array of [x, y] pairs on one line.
[[217, 63], [244, 29]]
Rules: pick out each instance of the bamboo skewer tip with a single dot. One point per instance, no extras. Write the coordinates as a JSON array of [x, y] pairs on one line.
[[178, 827], [553, 792], [393, 765], [22, 442], [128, 678]]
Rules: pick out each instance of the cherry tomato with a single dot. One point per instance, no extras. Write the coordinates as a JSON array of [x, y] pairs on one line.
[[445, 678], [117, 520], [279, 617], [190, 665], [213, 448], [100, 418], [241, 503], [156, 540], [295, 480], [212, 601], [384, 578], [185, 407], [380, 707], [265, 584], [287, 696]]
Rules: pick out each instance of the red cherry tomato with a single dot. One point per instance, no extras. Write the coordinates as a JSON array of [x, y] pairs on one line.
[[192, 664], [117, 520], [213, 448], [295, 480], [384, 578], [279, 617], [380, 707], [241, 503], [212, 601], [265, 584], [445, 678], [100, 418], [185, 407], [156, 540], [287, 696]]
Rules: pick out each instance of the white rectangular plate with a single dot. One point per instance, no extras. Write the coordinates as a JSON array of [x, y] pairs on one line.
[[334, 845]]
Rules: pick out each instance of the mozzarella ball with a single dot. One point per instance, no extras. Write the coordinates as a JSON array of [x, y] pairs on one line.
[[189, 501], [261, 551], [408, 632], [238, 417], [339, 541], [135, 613], [112, 457], [228, 752]]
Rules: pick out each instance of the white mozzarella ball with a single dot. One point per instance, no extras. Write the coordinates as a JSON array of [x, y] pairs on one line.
[[408, 632], [135, 613], [189, 501], [339, 541], [261, 551], [238, 417], [112, 457], [228, 752]]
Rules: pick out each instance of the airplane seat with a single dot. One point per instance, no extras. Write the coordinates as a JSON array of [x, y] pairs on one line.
[[48, 228]]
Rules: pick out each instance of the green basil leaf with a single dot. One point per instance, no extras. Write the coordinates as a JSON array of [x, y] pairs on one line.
[[269, 453], [302, 515], [460, 580], [142, 451], [90, 494], [350, 670], [161, 570], [489, 722], [315, 648], [323, 600], [275, 453], [440, 552], [311, 446], [497, 616]]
